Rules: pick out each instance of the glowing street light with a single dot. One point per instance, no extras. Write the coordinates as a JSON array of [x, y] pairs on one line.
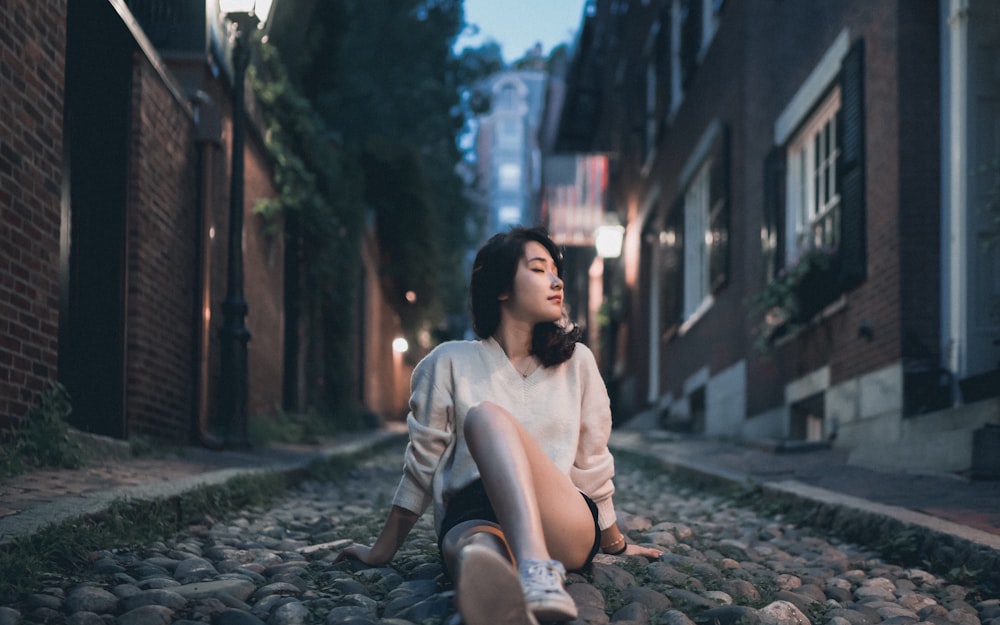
[[608, 240]]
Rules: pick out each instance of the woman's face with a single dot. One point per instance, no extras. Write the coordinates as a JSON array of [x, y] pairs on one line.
[[537, 295]]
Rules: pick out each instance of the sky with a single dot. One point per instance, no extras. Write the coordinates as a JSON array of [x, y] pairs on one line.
[[518, 24]]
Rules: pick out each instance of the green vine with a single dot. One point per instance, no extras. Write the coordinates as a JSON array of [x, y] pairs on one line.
[[318, 202]]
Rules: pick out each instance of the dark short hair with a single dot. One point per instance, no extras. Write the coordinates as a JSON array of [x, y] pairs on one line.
[[493, 275]]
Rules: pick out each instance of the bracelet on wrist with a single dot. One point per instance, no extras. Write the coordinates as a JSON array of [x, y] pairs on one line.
[[621, 540], [620, 551]]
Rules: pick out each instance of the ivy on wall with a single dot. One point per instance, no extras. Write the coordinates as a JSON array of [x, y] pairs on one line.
[[319, 200]]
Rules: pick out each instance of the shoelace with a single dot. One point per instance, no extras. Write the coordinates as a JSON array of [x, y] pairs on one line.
[[542, 576]]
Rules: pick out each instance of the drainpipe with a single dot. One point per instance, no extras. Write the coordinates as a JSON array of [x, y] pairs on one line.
[[208, 141]]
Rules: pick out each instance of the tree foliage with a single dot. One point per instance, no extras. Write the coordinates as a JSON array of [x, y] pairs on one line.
[[362, 103], [381, 75]]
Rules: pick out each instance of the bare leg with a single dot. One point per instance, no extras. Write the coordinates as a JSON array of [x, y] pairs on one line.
[[542, 513], [482, 533]]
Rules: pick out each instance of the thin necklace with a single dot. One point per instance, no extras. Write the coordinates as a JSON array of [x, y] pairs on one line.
[[528, 369]]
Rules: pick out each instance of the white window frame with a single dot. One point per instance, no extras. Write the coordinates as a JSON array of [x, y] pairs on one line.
[[697, 287], [813, 199], [653, 317]]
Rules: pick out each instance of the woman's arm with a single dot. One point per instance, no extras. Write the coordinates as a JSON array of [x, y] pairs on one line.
[[397, 527]]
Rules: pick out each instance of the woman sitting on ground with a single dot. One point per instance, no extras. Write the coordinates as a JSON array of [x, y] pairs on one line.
[[509, 442]]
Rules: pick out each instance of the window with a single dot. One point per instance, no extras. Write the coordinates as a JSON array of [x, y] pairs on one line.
[[509, 133], [509, 215], [695, 233], [814, 186], [510, 176], [696, 206], [508, 97], [692, 25], [651, 87], [813, 210]]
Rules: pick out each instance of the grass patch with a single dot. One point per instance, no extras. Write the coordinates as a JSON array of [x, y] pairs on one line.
[[297, 427], [64, 549]]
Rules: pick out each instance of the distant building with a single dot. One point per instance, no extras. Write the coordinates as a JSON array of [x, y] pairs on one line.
[[507, 152]]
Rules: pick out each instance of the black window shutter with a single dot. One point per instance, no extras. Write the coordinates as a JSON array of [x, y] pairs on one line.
[[773, 232], [851, 168], [664, 58], [690, 40], [718, 220], [672, 248]]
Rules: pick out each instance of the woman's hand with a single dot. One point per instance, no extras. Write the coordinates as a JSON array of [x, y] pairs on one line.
[[633, 549], [394, 532], [362, 553]]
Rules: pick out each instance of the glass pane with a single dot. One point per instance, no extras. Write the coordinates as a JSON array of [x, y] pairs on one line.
[[817, 174]]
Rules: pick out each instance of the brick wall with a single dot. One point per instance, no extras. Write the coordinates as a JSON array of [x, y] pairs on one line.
[[877, 300], [385, 380], [164, 302], [162, 233], [32, 51], [161, 273], [264, 264]]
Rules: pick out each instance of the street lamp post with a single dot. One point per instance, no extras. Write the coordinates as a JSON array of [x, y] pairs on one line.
[[608, 242], [234, 334]]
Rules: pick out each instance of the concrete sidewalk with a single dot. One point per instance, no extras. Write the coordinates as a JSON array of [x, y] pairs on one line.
[[38, 498], [951, 520], [943, 519]]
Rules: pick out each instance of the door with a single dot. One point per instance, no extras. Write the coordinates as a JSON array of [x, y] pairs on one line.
[[96, 135], [983, 240]]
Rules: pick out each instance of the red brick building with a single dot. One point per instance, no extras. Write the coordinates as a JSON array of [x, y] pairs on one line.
[[823, 150], [115, 144], [116, 172]]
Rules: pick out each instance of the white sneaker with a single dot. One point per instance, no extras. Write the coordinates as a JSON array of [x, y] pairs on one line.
[[488, 591], [547, 599]]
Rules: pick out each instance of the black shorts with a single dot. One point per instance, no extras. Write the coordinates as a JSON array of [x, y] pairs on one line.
[[472, 504]]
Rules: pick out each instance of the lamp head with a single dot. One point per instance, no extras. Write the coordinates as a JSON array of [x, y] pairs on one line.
[[608, 240]]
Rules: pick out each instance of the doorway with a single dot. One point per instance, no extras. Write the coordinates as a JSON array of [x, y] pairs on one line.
[[93, 250]]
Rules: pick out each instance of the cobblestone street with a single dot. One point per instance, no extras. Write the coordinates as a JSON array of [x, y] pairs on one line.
[[724, 564]]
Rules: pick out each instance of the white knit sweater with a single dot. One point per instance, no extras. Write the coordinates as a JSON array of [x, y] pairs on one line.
[[565, 408]]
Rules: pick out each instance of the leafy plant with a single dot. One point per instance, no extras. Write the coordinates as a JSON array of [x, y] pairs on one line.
[[787, 302], [44, 439]]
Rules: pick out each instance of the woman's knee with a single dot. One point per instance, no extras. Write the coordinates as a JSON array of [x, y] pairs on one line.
[[485, 418]]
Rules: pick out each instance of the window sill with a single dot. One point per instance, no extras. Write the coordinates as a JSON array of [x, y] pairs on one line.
[[696, 316], [831, 309]]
